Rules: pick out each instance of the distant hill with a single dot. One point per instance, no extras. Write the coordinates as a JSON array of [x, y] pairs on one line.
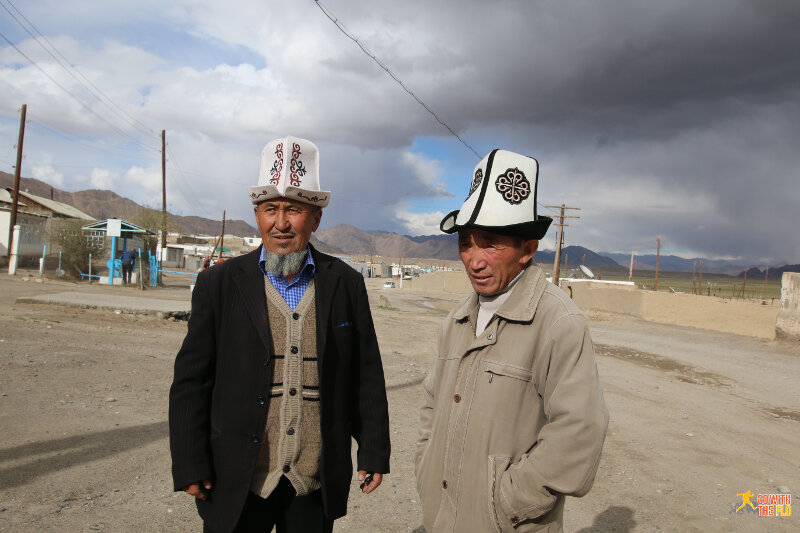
[[352, 240], [103, 204], [347, 239], [673, 263], [773, 274]]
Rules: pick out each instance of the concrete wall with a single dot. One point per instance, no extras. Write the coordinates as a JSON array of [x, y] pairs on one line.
[[705, 312], [788, 323], [709, 312], [454, 282], [627, 300]]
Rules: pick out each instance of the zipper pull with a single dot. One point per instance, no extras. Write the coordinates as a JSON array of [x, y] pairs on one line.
[[491, 375]]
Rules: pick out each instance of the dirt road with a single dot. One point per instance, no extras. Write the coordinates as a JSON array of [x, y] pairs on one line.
[[696, 418]]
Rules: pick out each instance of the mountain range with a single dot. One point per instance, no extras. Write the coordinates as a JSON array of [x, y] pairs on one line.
[[348, 239]]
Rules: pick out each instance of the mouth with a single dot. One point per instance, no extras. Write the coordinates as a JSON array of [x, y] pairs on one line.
[[480, 279]]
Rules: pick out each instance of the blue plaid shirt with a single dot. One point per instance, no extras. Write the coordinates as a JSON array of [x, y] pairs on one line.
[[293, 291]]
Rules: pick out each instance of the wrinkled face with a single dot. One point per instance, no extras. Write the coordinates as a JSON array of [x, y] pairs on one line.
[[492, 260], [286, 225]]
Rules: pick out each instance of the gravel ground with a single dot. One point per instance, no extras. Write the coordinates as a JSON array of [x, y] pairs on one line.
[[696, 418]]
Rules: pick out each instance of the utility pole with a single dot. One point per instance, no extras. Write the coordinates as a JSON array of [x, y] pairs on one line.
[[630, 272], [700, 286], [766, 275], [15, 200], [222, 236], [560, 239], [658, 258], [163, 191], [744, 284]]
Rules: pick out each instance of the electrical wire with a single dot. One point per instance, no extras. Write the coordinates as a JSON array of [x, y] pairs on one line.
[[68, 67], [364, 49]]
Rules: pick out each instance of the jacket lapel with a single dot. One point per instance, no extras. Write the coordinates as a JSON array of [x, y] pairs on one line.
[[325, 281], [250, 282]]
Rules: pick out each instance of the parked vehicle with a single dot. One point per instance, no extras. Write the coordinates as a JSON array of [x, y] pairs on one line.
[[388, 285]]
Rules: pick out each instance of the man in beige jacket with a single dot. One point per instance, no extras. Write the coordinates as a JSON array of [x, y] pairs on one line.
[[514, 417]]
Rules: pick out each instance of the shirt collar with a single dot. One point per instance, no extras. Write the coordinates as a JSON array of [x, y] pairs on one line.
[[309, 266]]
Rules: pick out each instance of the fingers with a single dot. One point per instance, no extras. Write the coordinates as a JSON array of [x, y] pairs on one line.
[[370, 482], [195, 489]]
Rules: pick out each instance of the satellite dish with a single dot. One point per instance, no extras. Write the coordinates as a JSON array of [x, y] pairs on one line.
[[585, 270]]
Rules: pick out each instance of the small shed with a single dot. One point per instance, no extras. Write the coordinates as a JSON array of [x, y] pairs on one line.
[[131, 236]]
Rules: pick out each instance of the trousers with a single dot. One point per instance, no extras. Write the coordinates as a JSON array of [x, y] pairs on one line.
[[285, 511]]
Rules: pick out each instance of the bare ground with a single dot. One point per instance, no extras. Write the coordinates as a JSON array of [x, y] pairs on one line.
[[696, 418]]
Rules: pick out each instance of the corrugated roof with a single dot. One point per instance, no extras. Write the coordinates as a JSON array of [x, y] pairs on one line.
[[56, 207]]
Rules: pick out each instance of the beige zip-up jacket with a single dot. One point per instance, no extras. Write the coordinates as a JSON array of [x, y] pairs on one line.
[[513, 420]]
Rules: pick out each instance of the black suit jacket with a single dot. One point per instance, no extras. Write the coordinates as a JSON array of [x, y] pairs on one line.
[[217, 411]]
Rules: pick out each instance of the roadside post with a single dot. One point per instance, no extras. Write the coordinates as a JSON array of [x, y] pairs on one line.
[[12, 257], [41, 261]]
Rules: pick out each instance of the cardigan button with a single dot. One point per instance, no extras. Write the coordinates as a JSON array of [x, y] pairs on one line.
[[515, 520], [254, 438], [296, 316], [295, 349], [286, 469], [457, 398], [292, 391], [290, 431], [261, 400]]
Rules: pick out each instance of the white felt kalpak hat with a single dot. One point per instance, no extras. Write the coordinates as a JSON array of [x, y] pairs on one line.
[[290, 169], [502, 198]]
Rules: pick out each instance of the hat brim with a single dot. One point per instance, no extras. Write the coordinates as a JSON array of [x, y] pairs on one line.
[[261, 193], [535, 229]]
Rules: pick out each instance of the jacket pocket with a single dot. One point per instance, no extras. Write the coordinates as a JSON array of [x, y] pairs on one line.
[[492, 369], [498, 464]]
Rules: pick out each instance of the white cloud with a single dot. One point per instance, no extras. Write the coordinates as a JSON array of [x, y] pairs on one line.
[[420, 223], [428, 171], [48, 174], [102, 178]]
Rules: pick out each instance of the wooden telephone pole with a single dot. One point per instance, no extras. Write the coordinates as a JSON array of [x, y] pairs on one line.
[[658, 260], [17, 168], [163, 191], [560, 239]]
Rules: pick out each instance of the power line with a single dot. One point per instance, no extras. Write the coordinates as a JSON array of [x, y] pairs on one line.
[[83, 105], [68, 67], [335, 20]]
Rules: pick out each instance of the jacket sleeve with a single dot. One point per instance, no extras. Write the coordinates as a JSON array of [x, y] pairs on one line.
[[190, 394], [371, 423], [426, 411], [425, 419], [564, 459]]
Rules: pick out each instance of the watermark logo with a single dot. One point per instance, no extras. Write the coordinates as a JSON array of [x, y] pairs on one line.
[[766, 504]]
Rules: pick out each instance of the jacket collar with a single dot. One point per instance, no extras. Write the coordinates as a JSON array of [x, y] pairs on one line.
[[520, 306]]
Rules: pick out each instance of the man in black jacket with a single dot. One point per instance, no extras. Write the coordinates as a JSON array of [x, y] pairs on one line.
[[280, 368]]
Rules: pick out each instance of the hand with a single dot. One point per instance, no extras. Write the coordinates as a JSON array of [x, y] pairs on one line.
[[198, 491], [369, 481]]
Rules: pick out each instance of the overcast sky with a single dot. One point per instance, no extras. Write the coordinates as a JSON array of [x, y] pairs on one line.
[[673, 118]]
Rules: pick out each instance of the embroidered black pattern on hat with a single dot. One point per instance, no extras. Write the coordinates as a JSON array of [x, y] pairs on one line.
[[277, 165], [513, 186], [296, 167], [476, 181]]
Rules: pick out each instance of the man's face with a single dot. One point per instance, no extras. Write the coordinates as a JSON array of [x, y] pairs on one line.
[[492, 260], [286, 225]]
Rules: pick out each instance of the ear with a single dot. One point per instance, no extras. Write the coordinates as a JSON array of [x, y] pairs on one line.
[[529, 248], [317, 218]]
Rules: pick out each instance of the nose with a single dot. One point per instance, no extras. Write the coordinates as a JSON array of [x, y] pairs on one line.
[[282, 221], [475, 259]]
